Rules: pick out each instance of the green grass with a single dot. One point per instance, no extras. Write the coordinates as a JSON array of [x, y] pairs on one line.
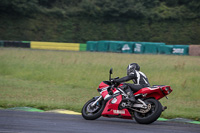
[[60, 79]]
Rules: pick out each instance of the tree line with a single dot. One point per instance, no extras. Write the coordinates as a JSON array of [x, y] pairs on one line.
[[169, 21], [137, 9]]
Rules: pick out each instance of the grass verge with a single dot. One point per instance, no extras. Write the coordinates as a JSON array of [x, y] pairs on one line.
[[66, 80]]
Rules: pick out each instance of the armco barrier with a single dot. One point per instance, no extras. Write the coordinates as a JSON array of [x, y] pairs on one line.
[[55, 46]]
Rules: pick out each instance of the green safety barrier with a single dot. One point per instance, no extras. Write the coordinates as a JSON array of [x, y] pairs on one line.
[[124, 47], [152, 47], [115, 46], [92, 45], [102, 46], [165, 49], [83, 47]]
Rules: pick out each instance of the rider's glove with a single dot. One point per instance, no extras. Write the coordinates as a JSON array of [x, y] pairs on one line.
[[113, 81]]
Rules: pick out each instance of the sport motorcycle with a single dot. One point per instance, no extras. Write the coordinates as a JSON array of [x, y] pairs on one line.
[[145, 110]]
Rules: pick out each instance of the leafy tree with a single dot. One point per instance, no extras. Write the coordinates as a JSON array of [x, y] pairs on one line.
[[151, 9], [19, 7], [46, 3]]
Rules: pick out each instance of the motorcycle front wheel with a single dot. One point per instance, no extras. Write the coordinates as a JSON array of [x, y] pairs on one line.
[[92, 113], [152, 115]]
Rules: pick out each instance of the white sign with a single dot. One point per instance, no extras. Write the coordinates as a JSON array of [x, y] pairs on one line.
[[126, 47], [178, 50], [137, 47]]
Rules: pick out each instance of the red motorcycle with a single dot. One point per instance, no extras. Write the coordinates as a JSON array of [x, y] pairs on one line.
[[145, 110]]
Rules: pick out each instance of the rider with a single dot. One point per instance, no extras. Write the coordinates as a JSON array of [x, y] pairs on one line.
[[140, 81]]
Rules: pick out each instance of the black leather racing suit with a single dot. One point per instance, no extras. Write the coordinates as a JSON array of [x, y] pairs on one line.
[[140, 81]]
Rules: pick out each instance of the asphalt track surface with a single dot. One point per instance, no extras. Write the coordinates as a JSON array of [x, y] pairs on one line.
[[37, 122]]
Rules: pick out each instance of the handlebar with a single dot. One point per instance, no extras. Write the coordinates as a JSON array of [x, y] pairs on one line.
[[112, 86], [116, 78], [114, 83]]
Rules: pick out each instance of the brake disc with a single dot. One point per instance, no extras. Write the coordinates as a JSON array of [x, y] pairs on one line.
[[146, 110], [91, 109]]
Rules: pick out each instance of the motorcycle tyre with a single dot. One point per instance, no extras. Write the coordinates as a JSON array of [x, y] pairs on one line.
[[153, 117], [96, 115]]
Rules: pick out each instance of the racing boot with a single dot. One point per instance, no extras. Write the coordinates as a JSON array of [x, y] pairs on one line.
[[130, 95]]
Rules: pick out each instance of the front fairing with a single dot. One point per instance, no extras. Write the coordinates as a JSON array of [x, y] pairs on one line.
[[106, 84], [103, 85], [112, 105], [112, 109]]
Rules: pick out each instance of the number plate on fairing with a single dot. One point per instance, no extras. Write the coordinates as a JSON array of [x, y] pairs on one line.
[[119, 111]]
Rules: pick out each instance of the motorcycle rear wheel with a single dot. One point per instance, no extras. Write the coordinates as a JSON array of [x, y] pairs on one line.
[[92, 113], [150, 116]]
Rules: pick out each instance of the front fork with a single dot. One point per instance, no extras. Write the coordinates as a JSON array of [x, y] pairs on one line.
[[97, 98]]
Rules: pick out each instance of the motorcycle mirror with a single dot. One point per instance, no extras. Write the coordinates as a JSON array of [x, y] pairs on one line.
[[111, 70]]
